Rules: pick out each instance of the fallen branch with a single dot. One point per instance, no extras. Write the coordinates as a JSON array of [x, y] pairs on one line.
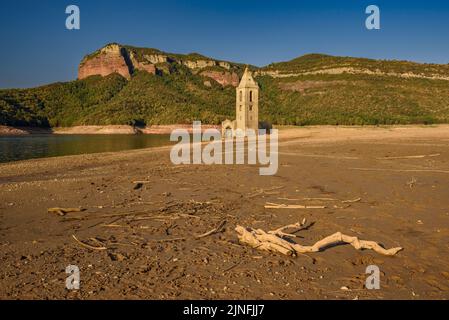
[[273, 241]]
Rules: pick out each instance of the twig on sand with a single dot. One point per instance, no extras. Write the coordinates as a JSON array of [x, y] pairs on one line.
[[171, 240], [401, 170], [63, 211], [269, 191], [113, 226], [88, 246], [309, 199], [231, 267], [411, 157], [196, 237], [114, 215], [352, 201], [270, 205], [322, 199], [273, 241], [318, 156], [167, 217], [213, 231]]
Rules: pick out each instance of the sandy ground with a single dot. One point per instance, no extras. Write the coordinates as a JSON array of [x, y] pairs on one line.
[[401, 175]]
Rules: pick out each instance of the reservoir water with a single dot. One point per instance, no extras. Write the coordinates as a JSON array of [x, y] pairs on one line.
[[14, 148]]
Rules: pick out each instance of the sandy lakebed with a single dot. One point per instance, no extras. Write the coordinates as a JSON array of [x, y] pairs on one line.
[[396, 178]]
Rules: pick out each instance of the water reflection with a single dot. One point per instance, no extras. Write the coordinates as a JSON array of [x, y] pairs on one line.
[[42, 146]]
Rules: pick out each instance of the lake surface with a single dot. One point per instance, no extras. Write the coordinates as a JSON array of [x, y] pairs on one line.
[[13, 148]]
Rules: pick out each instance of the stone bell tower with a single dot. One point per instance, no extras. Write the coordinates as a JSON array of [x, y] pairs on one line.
[[247, 103]]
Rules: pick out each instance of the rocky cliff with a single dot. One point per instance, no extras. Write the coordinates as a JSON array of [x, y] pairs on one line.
[[223, 78], [125, 60], [108, 60]]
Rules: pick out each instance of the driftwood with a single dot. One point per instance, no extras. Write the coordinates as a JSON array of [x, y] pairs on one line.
[[275, 241]]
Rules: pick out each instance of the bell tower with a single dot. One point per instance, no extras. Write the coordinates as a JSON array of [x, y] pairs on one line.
[[247, 103]]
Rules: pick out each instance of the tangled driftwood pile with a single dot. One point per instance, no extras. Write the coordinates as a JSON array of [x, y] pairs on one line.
[[280, 241]]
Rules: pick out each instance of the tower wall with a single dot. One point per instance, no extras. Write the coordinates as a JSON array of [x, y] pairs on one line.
[[247, 103]]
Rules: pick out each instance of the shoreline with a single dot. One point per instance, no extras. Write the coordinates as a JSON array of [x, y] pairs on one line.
[[167, 129], [94, 130], [288, 136]]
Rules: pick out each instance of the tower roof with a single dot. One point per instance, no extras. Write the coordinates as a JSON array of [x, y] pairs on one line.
[[248, 80]]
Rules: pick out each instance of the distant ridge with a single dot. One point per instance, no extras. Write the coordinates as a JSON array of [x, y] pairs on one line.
[[126, 85]]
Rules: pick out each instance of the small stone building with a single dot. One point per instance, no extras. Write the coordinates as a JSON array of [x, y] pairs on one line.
[[247, 107]]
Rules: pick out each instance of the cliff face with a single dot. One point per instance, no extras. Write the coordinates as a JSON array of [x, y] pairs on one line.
[[223, 78], [125, 60], [110, 59]]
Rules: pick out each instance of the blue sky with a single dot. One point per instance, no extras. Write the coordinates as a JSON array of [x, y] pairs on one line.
[[37, 49]]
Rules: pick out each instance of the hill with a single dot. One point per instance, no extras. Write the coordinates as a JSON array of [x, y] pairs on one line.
[[127, 85]]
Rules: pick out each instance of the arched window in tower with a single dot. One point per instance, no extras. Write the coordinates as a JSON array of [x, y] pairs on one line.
[[250, 96], [240, 96]]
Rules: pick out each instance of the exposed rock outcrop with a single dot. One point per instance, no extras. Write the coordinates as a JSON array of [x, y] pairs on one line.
[[113, 59], [224, 78], [144, 66], [225, 65], [156, 58], [125, 60], [110, 59], [199, 64]]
